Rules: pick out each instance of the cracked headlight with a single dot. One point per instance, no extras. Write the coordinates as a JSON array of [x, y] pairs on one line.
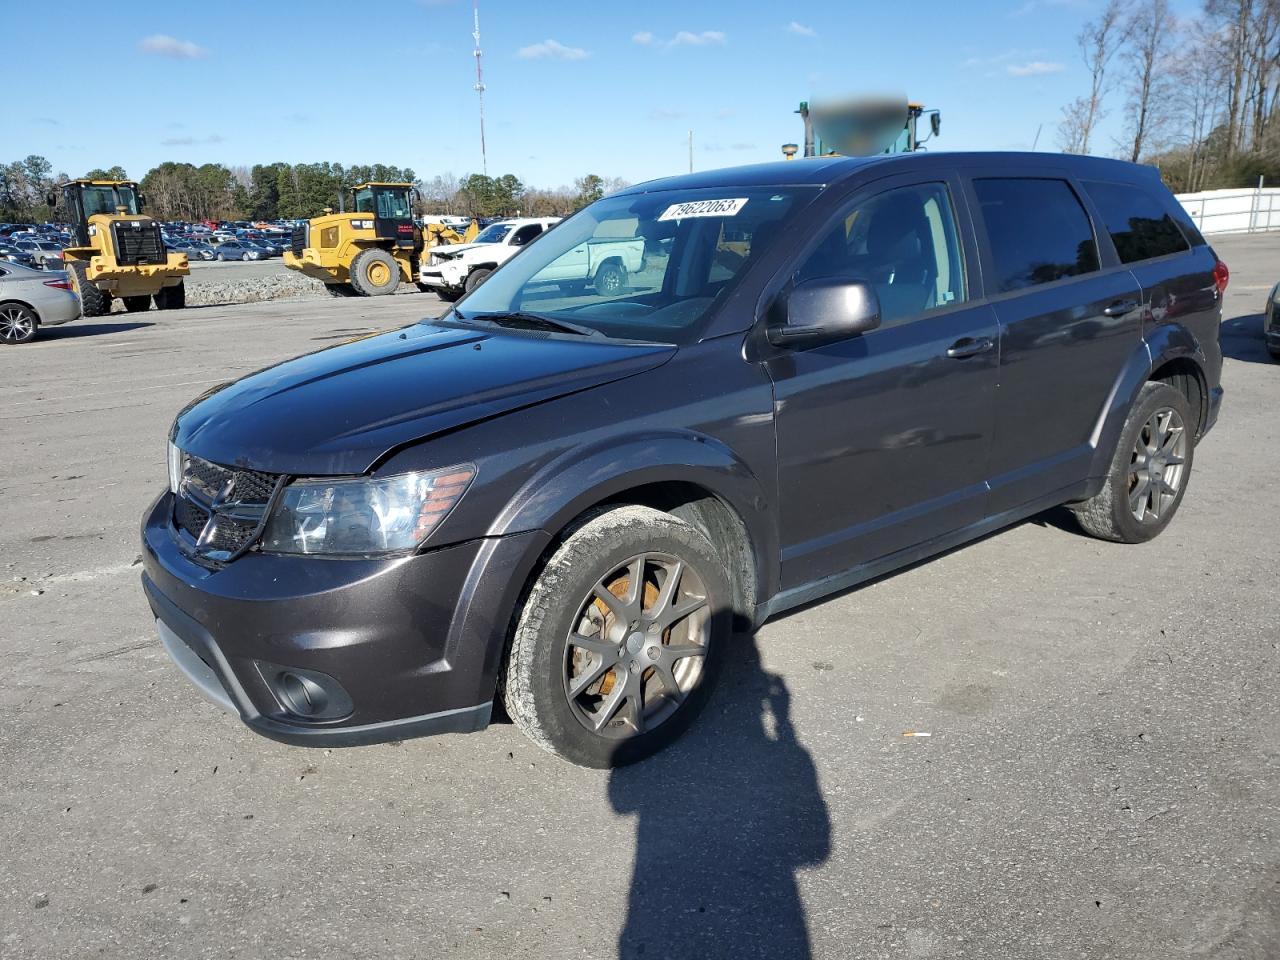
[[364, 516]]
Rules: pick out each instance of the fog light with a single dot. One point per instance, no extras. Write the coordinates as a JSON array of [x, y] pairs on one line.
[[305, 694], [300, 695]]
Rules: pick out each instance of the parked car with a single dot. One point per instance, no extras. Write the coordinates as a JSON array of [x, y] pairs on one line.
[[196, 250], [455, 269], [10, 252], [1271, 322], [45, 254], [269, 248], [31, 299], [239, 250], [846, 366]]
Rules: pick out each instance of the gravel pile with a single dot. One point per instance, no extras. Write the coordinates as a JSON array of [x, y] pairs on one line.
[[282, 286]]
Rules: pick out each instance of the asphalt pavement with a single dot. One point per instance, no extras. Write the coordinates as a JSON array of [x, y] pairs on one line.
[[1093, 771]]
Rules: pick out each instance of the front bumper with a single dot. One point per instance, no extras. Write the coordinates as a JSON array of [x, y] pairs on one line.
[[402, 647]]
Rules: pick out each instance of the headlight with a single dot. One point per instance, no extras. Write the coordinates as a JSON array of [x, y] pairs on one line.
[[364, 516], [175, 467]]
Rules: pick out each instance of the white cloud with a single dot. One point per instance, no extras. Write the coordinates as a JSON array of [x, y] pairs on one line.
[[190, 141], [706, 38], [1003, 57], [800, 30], [685, 38], [164, 46], [551, 50], [1036, 68]]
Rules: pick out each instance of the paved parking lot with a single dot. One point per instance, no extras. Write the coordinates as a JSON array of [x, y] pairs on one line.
[[1100, 777]]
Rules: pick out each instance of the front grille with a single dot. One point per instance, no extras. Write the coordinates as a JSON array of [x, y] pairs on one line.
[[222, 509], [298, 241], [138, 242]]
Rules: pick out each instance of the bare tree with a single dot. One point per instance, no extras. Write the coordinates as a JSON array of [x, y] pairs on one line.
[[1150, 30], [1099, 41]]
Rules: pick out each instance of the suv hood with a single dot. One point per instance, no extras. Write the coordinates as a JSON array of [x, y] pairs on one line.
[[339, 410]]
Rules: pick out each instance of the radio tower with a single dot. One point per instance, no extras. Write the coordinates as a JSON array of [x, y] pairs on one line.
[[479, 55]]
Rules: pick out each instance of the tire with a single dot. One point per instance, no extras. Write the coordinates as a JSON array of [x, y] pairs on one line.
[[374, 273], [598, 556], [245, 258], [93, 302], [172, 298], [137, 304], [1134, 504], [222, 258], [610, 279], [1275, 353], [18, 324], [477, 277]]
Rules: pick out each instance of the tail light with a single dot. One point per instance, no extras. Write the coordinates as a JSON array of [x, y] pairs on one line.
[[58, 284], [1221, 275]]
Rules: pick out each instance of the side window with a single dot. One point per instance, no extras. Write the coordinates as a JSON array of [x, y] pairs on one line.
[[525, 234], [903, 243], [1139, 224], [1039, 231]]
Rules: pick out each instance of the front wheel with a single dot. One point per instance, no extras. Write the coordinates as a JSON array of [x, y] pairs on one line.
[[477, 277], [17, 324], [93, 301], [620, 639], [374, 272], [1149, 471]]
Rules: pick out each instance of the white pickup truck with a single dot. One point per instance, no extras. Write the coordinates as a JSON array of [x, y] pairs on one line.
[[455, 269], [603, 262]]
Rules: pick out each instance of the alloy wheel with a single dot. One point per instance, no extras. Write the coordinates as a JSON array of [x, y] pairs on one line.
[[638, 646], [16, 325], [1157, 465]]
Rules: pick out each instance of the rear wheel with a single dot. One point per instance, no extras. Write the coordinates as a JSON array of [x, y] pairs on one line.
[[610, 279], [477, 277], [620, 639], [245, 257], [1149, 471], [93, 302], [137, 304], [172, 298], [374, 273], [17, 324]]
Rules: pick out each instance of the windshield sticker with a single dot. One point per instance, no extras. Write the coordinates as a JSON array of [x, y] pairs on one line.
[[704, 208]]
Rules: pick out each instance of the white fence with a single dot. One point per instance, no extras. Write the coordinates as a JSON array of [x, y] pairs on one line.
[[1234, 211]]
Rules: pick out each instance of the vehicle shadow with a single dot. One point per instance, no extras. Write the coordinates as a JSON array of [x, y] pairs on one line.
[[1242, 339], [76, 329], [726, 816]]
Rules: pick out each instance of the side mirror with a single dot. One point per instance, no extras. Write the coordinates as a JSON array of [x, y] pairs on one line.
[[826, 310], [935, 123]]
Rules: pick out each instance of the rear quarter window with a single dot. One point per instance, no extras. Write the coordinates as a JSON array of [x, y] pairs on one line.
[[1140, 225], [1038, 231]]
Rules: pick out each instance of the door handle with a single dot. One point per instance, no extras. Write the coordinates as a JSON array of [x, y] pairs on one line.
[[969, 347], [1120, 308]]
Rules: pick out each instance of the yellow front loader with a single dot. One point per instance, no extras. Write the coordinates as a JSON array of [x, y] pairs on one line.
[[368, 251], [118, 252]]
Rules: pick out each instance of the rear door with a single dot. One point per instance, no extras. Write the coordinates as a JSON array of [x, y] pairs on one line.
[[1070, 316]]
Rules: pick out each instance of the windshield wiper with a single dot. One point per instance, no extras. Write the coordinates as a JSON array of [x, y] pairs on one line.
[[523, 320]]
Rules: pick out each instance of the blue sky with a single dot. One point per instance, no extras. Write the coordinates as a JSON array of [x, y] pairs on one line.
[[573, 87]]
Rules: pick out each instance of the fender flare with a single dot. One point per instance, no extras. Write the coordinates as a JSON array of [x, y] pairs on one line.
[[1162, 344], [571, 484]]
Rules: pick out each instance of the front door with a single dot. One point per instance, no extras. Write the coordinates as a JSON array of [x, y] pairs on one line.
[[883, 438]]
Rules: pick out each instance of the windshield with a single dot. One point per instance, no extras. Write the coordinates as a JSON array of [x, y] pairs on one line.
[[493, 233], [100, 198], [644, 267], [391, 203]]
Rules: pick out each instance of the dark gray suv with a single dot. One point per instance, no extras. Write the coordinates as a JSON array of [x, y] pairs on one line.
[[568, 501]]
